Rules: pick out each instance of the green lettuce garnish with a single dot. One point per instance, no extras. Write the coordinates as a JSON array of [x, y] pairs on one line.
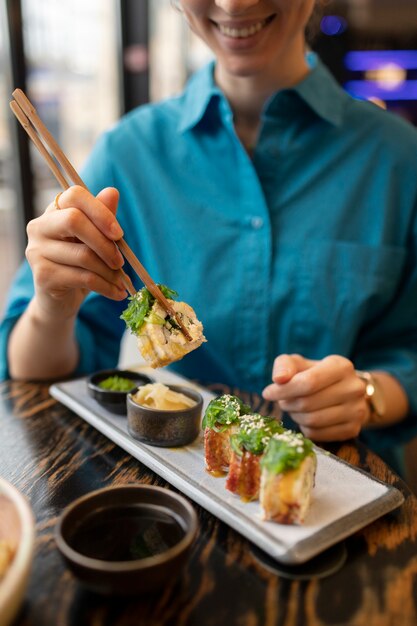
[[224, 411], [254, 433], [286, 451], [139, 308]]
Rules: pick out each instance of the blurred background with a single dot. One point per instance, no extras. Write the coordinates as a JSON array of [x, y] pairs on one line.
[[85, 63]]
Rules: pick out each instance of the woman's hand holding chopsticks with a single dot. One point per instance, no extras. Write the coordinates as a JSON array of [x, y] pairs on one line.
[[71, 251]]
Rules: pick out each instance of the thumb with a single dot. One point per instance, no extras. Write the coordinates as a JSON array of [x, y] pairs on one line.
[[110, 197], [287, 365]]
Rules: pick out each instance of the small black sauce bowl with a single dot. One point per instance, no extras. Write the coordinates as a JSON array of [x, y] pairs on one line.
[[126, 577], [114, 401], [168, 429]]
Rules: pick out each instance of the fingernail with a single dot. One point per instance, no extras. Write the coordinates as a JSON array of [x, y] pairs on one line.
[[116, 262], [122, 292], [116, 231], [281, 373]]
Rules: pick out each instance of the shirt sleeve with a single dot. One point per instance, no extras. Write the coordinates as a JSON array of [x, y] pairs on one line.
[[98, 326], [391, 346], [19, 296]]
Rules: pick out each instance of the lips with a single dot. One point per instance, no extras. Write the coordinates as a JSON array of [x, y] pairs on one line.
[[236, 30]]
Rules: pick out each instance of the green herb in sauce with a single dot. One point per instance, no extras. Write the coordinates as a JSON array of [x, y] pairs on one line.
[[224, 411], [139, 308], [254, 434], [117, 383], [286, 451]]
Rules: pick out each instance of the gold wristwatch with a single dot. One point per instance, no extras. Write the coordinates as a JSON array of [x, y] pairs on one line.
[[374, 397]]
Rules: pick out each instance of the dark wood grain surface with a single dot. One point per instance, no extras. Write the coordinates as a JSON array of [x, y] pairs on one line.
[[53, 457]]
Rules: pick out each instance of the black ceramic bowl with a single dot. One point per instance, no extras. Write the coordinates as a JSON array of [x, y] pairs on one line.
[[157, 427], [127, 539], [114, 401]]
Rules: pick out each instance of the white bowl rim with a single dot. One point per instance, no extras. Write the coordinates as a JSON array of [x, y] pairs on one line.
[[20, 565]]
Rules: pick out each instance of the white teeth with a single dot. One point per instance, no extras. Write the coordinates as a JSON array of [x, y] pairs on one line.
[[237, 33]]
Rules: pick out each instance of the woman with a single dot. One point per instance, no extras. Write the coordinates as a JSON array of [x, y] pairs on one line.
[[279, 207]]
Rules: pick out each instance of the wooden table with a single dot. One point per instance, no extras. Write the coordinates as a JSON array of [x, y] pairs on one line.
[[53, 457]]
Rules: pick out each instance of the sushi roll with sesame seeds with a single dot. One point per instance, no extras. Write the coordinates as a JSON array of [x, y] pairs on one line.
[[160, 340], [248, 445], [288, 470], [220, 421]]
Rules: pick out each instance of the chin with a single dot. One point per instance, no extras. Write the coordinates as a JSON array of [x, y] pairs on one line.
[[244, 67]]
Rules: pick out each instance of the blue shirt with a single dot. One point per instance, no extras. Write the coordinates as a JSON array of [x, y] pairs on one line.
[[307, 247]]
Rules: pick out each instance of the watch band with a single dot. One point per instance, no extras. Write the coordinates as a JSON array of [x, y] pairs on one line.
[[374, 397]]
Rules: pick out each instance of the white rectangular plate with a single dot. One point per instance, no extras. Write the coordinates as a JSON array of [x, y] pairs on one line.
[[345, 498]]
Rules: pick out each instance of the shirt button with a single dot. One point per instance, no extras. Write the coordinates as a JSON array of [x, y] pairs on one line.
[[256, 222]]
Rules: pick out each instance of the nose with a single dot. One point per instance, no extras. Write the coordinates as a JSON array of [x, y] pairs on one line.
[[235, 7]]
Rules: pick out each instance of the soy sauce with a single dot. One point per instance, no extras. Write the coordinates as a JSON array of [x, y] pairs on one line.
[[127, 533]]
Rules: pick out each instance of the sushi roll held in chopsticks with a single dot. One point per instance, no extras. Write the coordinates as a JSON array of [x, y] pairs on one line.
[[221, 420], [288, 470], [160, 339], [248, 446]]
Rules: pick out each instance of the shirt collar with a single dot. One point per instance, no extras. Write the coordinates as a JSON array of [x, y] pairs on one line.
[[319, 90], [199, 92]]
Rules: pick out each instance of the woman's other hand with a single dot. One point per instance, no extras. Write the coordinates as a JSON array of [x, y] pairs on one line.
[[325, 398], [71, 251]]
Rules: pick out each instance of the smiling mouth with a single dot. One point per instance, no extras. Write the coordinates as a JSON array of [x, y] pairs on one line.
[[245, 31]]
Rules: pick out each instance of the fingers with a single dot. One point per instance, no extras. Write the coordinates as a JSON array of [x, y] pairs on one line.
[[73, 247], [339, 393], [334, 415], [340, 432], [287, 365], [73, 223], [72, 250], [103, 217], [312, 378], [75, 278], [326, 398], [110, 198], [284, 369], [271, 393], [335, 423], [81, 256]]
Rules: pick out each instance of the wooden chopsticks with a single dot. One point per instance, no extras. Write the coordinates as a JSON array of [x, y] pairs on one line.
[[40, 135]]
